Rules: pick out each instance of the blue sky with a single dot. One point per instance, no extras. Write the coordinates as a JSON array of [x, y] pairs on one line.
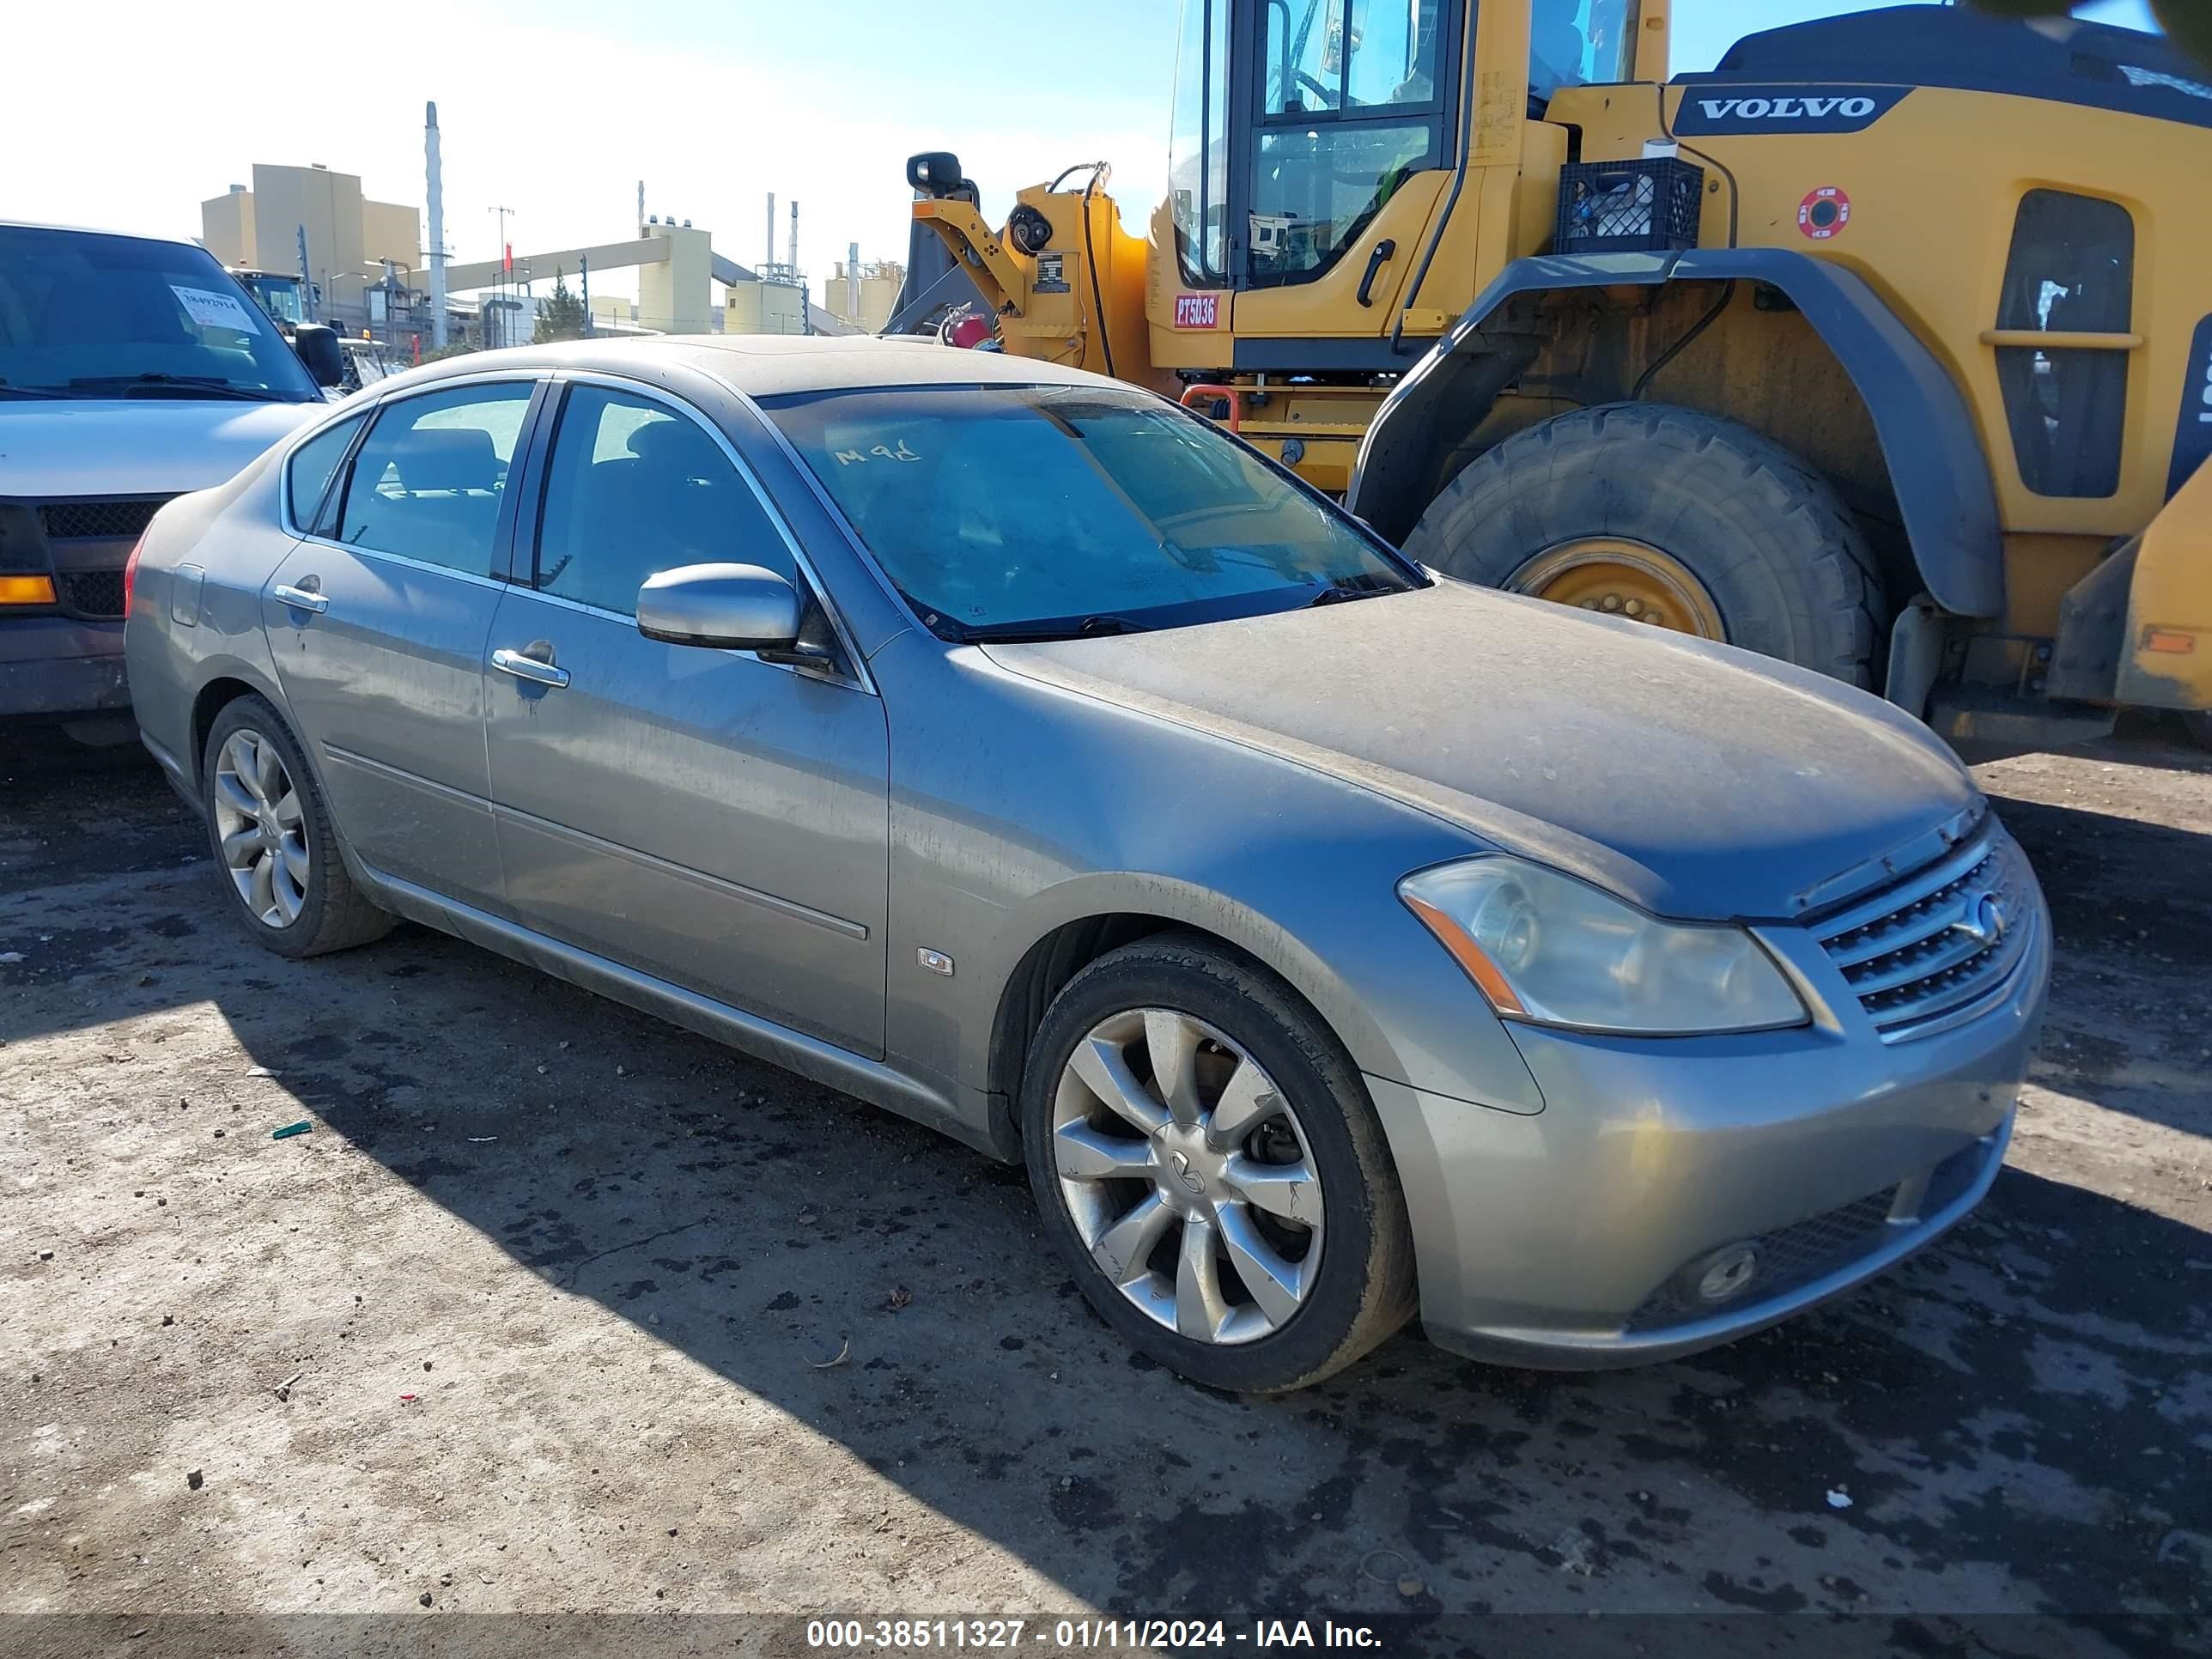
[[713, 103]]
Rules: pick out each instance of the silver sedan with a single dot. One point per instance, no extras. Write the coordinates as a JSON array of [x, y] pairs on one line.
[[1012, 749]]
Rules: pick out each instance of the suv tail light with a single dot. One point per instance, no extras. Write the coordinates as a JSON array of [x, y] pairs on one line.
[[130, 572]]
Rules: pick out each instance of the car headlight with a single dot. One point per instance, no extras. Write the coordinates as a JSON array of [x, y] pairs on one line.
[[1547, 948]]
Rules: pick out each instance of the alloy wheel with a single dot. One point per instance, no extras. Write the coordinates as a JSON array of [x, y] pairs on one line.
[[1187, 1176], [261, 826]]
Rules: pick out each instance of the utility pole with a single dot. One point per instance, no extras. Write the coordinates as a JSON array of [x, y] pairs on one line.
[[307, 282], [436, 180], [585, 261]]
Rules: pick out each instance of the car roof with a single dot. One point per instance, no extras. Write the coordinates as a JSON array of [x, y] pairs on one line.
[[770, 365], [98, 230]]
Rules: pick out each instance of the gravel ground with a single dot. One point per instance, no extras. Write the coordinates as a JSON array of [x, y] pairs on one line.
[[561, 1309]]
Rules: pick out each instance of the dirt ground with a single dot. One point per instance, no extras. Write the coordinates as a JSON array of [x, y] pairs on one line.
[[539, 1320]]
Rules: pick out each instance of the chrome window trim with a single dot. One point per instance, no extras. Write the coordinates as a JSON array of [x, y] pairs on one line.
[[854, 673], [405, 563]]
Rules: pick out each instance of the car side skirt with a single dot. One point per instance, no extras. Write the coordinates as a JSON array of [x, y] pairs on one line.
[[811, 1057]]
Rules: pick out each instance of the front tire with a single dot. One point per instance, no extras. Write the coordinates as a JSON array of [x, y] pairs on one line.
[[272, 837], [1208, 1162], [1672, 516]]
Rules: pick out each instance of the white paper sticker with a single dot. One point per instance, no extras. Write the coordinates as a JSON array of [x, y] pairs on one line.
[[207, 309]]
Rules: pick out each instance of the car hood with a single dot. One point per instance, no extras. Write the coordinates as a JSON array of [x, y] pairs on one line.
[[1695, 780], [136, 445]]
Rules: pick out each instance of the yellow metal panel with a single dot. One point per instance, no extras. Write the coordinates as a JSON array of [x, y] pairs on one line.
[[1654, 37], [1328, 307], [2168, 661], [1935, 187]]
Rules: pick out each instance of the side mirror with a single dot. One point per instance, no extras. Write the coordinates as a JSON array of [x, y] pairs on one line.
[[734, 607], [317, 346]]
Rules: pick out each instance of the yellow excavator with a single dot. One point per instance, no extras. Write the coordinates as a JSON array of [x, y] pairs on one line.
[[1884, 347]]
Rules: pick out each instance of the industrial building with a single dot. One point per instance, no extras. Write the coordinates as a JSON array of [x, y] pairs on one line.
[[375, 276], [350, 238], [864, 295]]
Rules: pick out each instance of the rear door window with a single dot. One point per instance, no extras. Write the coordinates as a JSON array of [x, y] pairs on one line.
[[429, 479], [308, 477]]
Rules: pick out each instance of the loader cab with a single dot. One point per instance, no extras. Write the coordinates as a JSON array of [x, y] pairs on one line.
[[1298, 122]]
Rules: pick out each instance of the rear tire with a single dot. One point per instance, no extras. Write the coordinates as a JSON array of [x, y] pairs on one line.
[[1296, 1194], [1776, 553], [271, 831]]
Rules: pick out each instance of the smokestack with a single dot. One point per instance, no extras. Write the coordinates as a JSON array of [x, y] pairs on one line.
[[437, 249], [853, 283], [640, 207], [795, 238], [770, 258]]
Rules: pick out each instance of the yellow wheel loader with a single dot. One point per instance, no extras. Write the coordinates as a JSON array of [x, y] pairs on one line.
[[1885, 347]]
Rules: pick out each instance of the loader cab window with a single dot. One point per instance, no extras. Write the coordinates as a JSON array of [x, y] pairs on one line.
[[1580, 43], [1295, 122], [1349, 105], [2071, 270], [1198, 150]]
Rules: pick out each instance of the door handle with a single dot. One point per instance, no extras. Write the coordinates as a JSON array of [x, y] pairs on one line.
[[301, 598], [1380, 258], [528, 668]]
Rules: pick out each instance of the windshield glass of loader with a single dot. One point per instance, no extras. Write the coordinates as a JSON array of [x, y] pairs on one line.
[[1045, 511]]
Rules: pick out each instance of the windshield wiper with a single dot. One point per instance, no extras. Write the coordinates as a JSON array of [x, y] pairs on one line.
[[1038, 633], [7, 391], [196, 385], [1362, 587]]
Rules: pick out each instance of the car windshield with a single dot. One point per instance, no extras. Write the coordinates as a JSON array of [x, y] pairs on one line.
[[1038, 512], [87, 315]]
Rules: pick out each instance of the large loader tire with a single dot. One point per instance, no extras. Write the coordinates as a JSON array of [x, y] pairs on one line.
[[1672, 517]]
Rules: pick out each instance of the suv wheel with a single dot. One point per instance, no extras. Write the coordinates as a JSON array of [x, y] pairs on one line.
[[271, 833], [1208, 1164]]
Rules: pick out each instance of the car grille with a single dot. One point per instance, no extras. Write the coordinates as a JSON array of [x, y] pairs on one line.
[[1792, 1257], [109, 520], [1924, 953], [92, 592]]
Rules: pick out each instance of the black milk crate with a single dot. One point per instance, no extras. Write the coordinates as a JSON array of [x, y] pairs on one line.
[[1629, 207]]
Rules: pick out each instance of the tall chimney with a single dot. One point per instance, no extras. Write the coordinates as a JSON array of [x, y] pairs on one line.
[[795, 238], [640, 207], [853, 283], [770, 258], [437, 249]]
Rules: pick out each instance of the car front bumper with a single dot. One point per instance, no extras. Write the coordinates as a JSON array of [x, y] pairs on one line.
[[56, 666], [1573, 1239]]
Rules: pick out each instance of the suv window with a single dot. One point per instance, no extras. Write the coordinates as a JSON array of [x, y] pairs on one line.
[[430, 475], [308, 475], [635, 488]]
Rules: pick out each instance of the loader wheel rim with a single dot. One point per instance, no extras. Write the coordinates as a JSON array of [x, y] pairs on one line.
[[1617, 577]]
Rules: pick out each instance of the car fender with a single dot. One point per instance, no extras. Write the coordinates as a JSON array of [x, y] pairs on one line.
[[1186, 903], [1921, 418]]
